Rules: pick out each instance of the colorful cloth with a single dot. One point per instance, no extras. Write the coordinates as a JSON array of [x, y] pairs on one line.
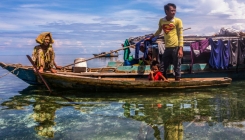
[[220, 54], [43, 57], [234, 53], [161, 48], [241, 51], [137, 49], [126, 51], [200, 49], [173, 31], [157, 76]]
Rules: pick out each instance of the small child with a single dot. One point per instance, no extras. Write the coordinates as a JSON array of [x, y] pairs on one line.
[[155, 74]]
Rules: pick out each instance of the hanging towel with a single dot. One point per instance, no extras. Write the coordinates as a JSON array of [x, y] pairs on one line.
[[225, 55], [233, 52], [126, 51], [241, 51], [161, 48]]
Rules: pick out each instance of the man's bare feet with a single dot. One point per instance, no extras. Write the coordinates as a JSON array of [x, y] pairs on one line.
[[53, 70]]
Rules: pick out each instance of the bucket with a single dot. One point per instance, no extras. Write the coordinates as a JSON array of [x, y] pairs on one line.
[[80, 66]]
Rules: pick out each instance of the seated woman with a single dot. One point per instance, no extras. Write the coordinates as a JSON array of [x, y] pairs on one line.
[[43, 54], [155, 74]]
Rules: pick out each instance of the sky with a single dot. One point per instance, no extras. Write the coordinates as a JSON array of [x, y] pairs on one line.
[[93, 26]]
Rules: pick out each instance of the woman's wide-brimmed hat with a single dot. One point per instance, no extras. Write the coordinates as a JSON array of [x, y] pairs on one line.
[[41, 37]]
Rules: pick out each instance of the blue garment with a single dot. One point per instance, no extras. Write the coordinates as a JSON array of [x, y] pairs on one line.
[[225, 56], [130, 63], [137, 49], [146, 46], [220, 54]]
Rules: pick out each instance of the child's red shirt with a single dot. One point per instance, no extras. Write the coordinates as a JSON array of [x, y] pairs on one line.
[[157, 76]]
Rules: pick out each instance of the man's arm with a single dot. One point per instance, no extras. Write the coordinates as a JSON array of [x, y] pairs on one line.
[[159, 30], [180, 38], [180, 52], [157, 33], [180, 33]]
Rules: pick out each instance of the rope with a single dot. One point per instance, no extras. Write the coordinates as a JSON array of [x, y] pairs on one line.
[[10, 72]]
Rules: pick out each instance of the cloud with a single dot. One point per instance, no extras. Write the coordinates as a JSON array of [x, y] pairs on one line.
[[77, 26], [235, 9]]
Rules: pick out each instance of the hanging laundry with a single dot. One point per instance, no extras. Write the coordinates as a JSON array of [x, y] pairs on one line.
[[126, 51], [220, 54], [233, 52], [241, 51], [200, 49], [161, 47], [137, 48], [147, 44]]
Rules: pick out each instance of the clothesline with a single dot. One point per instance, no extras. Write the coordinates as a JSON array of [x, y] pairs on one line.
[[198, 38]]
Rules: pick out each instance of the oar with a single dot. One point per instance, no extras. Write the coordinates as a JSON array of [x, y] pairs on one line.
[[131, 46], [38, 73]]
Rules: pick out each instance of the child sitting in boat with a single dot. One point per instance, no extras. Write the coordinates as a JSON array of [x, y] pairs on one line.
[[155, 74]]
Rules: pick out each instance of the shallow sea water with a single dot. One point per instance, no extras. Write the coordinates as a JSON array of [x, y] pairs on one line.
[[30, 112]]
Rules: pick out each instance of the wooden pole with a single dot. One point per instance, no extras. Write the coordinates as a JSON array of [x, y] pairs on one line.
[[38, 73], [187, 29], [131, 46], [183, 30]]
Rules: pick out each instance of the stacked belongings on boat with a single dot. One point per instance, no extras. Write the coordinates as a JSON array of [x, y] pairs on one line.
[[148, 48]]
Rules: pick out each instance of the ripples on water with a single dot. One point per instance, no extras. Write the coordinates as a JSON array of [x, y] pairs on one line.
[[29, 112]]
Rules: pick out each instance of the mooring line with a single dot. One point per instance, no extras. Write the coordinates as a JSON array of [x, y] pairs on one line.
[[10, 72]]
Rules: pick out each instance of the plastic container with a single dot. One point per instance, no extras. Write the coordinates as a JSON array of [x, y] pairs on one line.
[[80, 66]]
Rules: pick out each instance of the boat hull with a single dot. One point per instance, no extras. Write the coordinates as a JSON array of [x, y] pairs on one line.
[[24, 73], [78, 82], [114, 80]]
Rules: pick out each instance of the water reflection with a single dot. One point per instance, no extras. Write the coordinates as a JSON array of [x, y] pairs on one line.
[[189, 114], [44, 113]]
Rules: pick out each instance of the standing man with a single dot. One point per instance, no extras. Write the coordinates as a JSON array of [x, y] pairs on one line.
[[172, 28]]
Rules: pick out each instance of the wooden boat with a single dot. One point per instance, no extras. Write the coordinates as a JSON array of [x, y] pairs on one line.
[[107, 54], [110, 78]]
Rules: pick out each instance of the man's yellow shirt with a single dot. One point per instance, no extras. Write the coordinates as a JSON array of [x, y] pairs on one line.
[[173, 31]]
